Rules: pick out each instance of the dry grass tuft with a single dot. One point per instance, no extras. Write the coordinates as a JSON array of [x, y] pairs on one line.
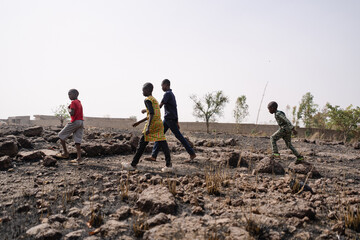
[[214, 177], [140, 226], [96, 219], [352, 218]]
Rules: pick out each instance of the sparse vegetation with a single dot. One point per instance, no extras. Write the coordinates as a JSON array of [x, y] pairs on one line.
[[62, 113], [210, 107], [241, 110]]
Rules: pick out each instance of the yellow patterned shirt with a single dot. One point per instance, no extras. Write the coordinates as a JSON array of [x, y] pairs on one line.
[[156, 127]]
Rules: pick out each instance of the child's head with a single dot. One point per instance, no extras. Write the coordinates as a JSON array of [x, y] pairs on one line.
[[73, 94], [165, 85], [272, 106], [147, 89]]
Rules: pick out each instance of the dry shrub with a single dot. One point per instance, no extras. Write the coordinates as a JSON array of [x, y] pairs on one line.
[[96, 219], [214, 177], [352, 218], [140, 226]]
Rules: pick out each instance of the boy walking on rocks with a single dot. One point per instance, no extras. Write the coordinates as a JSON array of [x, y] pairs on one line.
[[171, 121], [75, 127], [153, 131], [284, 132]]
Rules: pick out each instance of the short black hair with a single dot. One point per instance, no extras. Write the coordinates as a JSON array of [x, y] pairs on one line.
[[148, 86], [166, 82], [273, 104], [73, 90]]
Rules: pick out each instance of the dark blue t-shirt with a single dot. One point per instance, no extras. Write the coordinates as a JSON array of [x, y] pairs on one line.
[[169, 102]]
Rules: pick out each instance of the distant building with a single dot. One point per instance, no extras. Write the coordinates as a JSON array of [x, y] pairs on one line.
[[19, 120]]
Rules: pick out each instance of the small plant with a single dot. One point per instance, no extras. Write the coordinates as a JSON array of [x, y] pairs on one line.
[[213, 179], [96, 219], [352, 218], [140, 226], [172, 186], [124, 189]]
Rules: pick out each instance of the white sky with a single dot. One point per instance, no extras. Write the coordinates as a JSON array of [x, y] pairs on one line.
[[108, 49]]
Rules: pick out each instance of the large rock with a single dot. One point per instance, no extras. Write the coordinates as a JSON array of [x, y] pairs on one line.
[[134, 142], [232, 159], [298, 209], [268, 165], [25, 143], [43, 232], [112, 228], [161, 218], [230, 142], [93, 150], [49, 161], [5, 162], [118, 148], [356, 145], [156, 199], [9, 148], [33, 131], [31, 156], [304, 168], [75, 235]]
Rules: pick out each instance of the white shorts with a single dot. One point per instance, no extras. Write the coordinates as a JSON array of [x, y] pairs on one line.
[[76, 127]]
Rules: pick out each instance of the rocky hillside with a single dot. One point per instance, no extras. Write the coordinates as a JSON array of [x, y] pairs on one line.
[[232, 191]]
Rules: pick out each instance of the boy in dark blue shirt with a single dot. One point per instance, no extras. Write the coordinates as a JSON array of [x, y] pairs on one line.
[[171, 121]]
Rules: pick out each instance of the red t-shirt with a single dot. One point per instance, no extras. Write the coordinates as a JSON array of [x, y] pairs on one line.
[[76, 105]]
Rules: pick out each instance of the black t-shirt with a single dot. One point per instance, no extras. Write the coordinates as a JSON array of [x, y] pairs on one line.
[[169, 102]]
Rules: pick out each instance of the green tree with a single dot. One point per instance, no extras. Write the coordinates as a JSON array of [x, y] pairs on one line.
[[345, 120], [295, 116], [62, 113], [241, 109], [307, 109], [320, 119], [210, 107]]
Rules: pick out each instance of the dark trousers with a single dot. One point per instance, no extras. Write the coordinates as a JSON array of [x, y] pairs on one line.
[[284, 133], [141, 148], [172, 124]]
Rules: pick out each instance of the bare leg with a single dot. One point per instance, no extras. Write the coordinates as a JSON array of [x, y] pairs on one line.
[[63, 144], [78, 151]]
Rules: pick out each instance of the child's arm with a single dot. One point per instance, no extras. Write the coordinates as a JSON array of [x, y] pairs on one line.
[[288, 123], [138, 122], [71, 109]]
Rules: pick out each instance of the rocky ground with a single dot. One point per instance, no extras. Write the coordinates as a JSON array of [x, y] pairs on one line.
[[232, 191]]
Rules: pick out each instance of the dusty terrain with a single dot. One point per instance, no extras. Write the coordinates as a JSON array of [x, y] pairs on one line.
[[232, 190]]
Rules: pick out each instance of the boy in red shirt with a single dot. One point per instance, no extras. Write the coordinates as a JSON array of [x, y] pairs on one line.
[[76, 126]]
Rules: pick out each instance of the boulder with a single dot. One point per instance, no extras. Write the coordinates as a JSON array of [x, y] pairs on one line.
[[49, 161], [57, 218], [304, 168], [9, 148], [112, 228], [134, 142], [33, 131], [356, 145], [157, 199], [31, 156], [268, 165], [118, 148], [230, 142], [5, 162], [232, 159], [93, 150], [25, 143], [123, 213], [160, 218], [43, 231], [75, 235]]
